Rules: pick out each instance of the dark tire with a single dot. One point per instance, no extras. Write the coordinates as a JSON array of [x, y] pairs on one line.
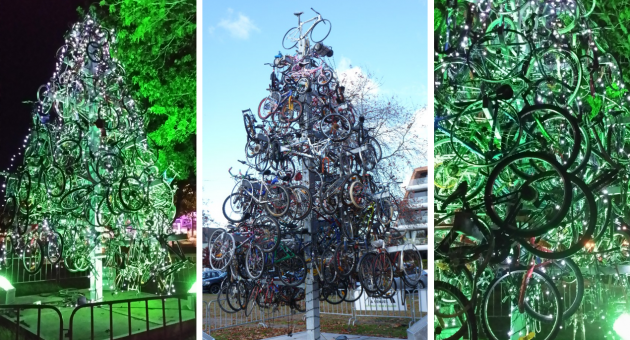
[[553, 293], [288, 43], [323, 26], [585, 235], [34, 264], [469, 329], [56, 243], [215, 288], [296, 270]]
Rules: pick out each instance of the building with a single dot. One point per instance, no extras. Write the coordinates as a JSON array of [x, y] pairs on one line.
[[413, 210]]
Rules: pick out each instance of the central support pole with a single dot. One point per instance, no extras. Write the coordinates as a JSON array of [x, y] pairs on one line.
[[311, 285]]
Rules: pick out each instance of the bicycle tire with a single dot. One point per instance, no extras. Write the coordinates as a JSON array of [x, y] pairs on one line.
[[294, 264], [585, 236], [553, 292], [561, 212], [345, 260], [222, 301], [263, 103], [289, 44], [35, 266], [245, 210], [317, 24], [233, 293], [59, 242], [358, 200], [576, 301], [469, 329], [272, 227], [342, 295], [307, 198], [256, 251]]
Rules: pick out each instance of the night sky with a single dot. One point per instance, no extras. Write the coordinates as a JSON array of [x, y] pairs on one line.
[[31, 31]]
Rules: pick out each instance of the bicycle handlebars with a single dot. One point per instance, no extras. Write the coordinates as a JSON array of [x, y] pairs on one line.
[[315, 11]]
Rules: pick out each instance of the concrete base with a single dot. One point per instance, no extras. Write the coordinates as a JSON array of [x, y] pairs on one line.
[[419, 330], [120, 315]]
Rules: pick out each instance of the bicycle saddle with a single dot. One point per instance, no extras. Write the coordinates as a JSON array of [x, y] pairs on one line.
[[298, 13], [460, 192]]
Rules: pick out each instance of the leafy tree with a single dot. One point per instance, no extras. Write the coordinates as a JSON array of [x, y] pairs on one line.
[[156, 44]]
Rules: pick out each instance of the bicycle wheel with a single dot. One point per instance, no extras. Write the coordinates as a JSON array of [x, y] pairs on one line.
[[254, 262], [515, 204], [411, 266], [384, 211], [336, 127], [336, 293], [236, 207], [456, 318], [54, 248], [303, 85], [574, 231], [345, 260], [222, 299], [320, 31], [366, 272], [268, 231], [384, 272], [355, 290], [221, 250], [569, 274], [266, 107], [500, 314], [33, 256], [291, 38], [291, 112], [277, 200], [359, 194], [253, 299], [301, 202], [233, 296], [292, 272]]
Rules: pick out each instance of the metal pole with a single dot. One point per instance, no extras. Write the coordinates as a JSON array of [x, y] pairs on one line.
[[311, 285]]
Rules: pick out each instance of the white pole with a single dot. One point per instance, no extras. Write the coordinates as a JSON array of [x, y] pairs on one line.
[[312, 287]]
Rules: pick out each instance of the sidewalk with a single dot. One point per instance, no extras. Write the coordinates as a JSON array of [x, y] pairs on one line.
[[327, 336]]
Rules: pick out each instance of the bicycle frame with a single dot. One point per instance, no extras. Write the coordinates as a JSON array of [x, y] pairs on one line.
[[317, 19]]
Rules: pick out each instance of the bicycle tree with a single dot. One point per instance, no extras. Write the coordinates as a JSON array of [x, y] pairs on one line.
[[88, 184]]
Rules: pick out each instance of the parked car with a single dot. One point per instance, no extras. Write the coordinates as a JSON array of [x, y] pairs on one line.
[[212, 281]]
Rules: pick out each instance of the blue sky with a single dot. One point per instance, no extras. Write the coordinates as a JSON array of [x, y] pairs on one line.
[[388, 38]]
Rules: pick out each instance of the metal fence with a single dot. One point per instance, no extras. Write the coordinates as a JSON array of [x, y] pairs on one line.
[[18, 308], [404, 305], [49, 272]]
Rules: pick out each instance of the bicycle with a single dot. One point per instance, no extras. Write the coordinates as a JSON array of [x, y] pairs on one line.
[[295, 35]]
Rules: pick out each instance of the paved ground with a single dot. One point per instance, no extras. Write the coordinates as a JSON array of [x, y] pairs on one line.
[[121, 314], [327, 336]]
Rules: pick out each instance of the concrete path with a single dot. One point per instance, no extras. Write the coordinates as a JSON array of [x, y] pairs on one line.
[[327, 336]]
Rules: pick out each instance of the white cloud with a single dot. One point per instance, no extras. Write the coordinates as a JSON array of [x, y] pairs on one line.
[[239, 28], [351, 76]]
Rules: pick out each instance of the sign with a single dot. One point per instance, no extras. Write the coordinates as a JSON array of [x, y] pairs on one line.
[[378, 303]]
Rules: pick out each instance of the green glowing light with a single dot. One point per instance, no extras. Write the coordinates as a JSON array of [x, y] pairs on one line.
[[5, 284], [622, 326], [195, 287]]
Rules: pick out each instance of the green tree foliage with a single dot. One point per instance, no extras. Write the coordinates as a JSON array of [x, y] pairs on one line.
[[156, 43]]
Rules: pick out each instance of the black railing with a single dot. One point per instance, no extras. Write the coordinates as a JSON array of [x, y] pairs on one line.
[[39, 308], [146, 300]]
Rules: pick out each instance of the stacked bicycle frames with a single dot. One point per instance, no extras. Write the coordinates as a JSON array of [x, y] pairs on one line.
[[310, 206], [531, 181], [88, 184]]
